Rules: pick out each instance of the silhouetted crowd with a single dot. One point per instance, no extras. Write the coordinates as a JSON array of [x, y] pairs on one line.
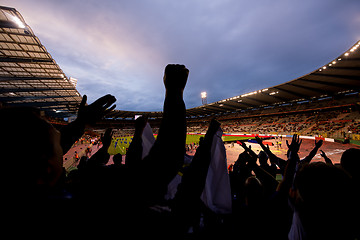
[[316, 200]]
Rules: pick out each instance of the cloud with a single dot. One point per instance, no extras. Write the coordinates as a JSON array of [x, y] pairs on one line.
[[231, 47]]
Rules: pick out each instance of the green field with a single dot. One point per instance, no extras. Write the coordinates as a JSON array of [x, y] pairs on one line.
[[190, 138], [119, 145]]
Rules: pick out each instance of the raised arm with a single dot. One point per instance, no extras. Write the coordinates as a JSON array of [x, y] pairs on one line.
[[101, 157], [313, 152], [87, 114], [290, 169], [281, 163], [266, 178], [167, 154], [326, 158]]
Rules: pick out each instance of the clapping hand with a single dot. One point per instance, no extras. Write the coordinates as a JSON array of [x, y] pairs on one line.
[[326, 158], [250, 153], [294, 146], [89, 114]]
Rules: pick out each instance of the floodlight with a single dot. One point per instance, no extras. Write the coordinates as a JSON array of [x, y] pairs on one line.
[[203, 98]]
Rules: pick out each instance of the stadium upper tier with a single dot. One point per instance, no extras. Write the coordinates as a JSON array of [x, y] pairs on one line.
[[29, 76]]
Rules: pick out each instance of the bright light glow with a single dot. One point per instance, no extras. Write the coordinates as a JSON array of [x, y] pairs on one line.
[[249, 94], [203, 94], [333, 62], [346, 54], [324, 67], [18, 22], [14, 19], [272, 93]]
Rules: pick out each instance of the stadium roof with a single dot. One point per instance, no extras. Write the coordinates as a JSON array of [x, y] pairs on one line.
[[29, 76]]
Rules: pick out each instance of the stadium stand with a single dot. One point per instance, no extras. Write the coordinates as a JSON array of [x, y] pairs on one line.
[[328, 118]]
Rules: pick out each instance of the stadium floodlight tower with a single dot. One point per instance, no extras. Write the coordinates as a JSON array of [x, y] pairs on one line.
[[203, 98]]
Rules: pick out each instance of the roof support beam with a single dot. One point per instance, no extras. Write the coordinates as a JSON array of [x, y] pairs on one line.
[[257, 100], [14, 90], [20, 50], [347, 77], [200, 111], [245, 104], [27, 98], [25, 34], [25, 60], [298, 95], [317, 90], [6, 79], [345, 68], [46, 104], [276, 97], [22, 43], [223, 108], [334, 84]]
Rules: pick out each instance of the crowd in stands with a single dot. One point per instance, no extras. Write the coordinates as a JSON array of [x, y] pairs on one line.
[[126, 201], [327, 118], [334, 124], [354, 128]]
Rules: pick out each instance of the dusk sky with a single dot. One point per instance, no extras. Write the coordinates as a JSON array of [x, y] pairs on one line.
[[231, 47]]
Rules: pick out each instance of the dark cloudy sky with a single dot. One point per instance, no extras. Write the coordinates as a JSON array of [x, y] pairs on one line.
[[231, 47]]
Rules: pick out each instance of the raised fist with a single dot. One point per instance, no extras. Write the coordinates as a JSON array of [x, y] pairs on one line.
[[175, 77]]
